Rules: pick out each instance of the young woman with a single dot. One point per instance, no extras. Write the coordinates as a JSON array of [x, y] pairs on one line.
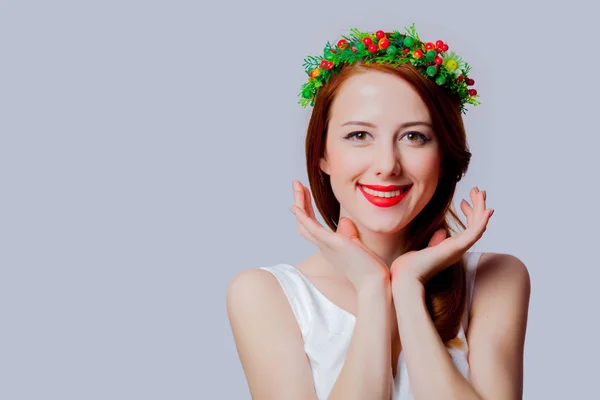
[[392, 306]]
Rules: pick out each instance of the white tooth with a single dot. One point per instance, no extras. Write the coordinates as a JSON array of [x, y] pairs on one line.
[[382, 194]]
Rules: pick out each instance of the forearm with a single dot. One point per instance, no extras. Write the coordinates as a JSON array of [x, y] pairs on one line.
[[431, 371], [366, 373]]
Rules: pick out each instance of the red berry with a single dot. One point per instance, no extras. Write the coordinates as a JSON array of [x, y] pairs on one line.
[[342, 44], [384, 43], [329, 65], [418, 53], [472, 92], [367, 40], [353, 49], [323, 64], [429, 46], [380, 34], [444, 47], [438, 60], [460, 78], [470, 82], [439, 44], [372, 48], [405, 50]]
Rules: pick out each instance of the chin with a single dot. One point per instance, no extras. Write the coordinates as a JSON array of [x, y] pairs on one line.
[[385, 225]]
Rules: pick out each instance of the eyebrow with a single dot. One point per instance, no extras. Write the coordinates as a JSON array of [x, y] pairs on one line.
[[404, 125]]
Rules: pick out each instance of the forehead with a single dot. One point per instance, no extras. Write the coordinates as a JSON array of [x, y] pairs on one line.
[[378, 97]]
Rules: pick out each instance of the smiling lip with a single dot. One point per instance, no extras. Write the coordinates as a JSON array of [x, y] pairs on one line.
[[380, 188], [384, 201]]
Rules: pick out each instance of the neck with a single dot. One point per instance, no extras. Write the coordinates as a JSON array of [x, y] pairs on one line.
[[387, 246]]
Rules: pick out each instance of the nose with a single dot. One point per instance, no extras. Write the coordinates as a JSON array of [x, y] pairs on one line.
[[387, 162]]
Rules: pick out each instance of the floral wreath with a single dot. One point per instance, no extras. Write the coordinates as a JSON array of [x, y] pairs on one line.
[[431, 59]]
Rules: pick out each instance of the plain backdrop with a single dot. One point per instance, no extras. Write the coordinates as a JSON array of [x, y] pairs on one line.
[[147, 155]]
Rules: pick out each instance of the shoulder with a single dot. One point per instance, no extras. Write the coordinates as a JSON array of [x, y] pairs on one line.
[[502, 274], [252, 289], [256, 295], [500, 297], [264, 328]]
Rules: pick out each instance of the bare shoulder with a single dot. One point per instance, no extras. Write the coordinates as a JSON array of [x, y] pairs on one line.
[[267, 337], [501, 280], [502, 272], [250, 283], [497, 327]]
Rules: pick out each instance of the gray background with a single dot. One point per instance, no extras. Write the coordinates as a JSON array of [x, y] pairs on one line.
[[147, 153]]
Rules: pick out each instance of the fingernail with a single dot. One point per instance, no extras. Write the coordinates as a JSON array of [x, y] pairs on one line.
[[492, 213], [476, 188], [484, 194], [292, 210]]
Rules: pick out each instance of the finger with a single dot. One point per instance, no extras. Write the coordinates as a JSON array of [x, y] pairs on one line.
[[473, 196], [297, 202], [478, 202], [315, 229], [438, 237], [467, 210], [347, 228], [487, 214], [301, 228], [308, 200], [298, 194]]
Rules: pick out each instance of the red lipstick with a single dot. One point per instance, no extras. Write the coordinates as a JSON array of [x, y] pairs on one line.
[[384, 201], [384, 188]]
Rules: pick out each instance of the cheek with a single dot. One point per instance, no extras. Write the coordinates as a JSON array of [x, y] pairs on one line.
[[345, 163], [424, 166]]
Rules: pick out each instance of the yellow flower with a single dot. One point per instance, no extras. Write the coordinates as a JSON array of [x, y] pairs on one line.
[[453, 63]]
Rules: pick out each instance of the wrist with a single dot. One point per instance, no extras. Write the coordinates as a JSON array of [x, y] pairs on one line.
[[405, 282], [374, 286]]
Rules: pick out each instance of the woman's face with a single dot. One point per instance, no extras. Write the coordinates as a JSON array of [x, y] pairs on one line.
[[380, 133]]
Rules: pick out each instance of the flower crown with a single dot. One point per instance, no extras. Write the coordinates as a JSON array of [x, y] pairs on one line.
[[431, 59]]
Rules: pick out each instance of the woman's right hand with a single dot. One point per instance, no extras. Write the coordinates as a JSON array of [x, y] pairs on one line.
[[343, 248]]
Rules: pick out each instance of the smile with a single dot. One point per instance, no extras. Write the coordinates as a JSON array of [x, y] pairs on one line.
[[384, 198]]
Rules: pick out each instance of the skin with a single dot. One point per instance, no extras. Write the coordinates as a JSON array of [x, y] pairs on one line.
[[384, 154]]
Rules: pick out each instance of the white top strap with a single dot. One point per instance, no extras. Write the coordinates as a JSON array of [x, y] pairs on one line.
[[297, 292]]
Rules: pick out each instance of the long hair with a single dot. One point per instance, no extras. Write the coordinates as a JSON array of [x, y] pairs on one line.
[[445, 293]]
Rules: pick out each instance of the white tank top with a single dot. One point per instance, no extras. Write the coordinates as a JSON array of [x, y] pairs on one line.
[[327, 329]]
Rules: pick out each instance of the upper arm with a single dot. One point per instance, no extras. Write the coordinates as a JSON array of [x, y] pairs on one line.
[[268, 338], [498, 321]]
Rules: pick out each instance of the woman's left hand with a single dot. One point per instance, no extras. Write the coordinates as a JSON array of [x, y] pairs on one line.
[[441, 252]]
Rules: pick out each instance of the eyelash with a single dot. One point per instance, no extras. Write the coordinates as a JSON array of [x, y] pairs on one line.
[[424, 139]]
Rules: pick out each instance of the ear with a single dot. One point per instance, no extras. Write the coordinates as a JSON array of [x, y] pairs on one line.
[[324, 164]]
